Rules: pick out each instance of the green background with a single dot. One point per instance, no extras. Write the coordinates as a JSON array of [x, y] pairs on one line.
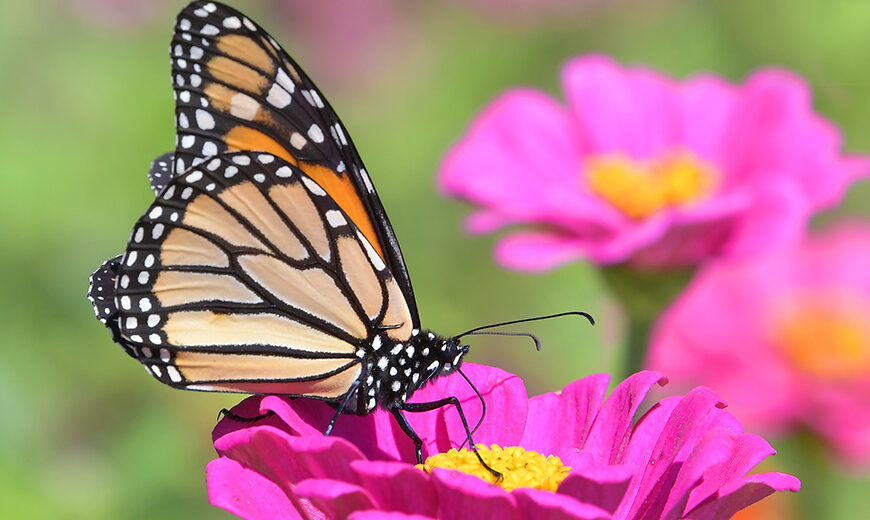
[[85, 105]]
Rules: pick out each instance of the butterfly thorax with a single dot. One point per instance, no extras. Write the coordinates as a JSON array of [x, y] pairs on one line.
[[393, 370]]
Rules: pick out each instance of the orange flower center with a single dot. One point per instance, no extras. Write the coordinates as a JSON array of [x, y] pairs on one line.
[[829, 342], [640, 188], [520, 468]]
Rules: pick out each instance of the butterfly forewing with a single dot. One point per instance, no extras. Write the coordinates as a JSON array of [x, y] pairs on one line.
[[245, 275], [236, 89]]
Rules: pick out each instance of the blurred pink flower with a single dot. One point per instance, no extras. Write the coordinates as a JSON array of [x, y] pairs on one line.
[[641, 168], [786, 337], [686, 458], [347, 43], [532, 11]]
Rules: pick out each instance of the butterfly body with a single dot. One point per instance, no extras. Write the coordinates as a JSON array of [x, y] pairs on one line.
[[393, 370]]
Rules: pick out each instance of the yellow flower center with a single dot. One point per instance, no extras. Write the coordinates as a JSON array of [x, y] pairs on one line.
[[826, 341], [520, 468], [640, 188]]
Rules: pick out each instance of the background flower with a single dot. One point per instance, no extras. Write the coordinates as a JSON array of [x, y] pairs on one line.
[[686, 458], [644, 169], [786, 337]]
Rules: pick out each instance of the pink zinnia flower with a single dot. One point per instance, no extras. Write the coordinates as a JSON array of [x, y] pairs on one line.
[[686, 458], [786, 337], [641, 168]]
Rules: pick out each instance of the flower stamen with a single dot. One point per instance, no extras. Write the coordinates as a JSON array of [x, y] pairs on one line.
[[825, 341], [520, 468], [640, 188]]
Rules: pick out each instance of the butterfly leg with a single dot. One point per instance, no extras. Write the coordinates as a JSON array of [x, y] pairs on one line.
[[341, 407], [406, 427], [226, 413], [425, 407]]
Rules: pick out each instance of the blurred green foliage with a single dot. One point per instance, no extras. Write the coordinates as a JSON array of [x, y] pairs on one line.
[[86, 434]]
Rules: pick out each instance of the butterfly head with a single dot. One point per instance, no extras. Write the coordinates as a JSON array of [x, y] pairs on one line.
[[440, 356]]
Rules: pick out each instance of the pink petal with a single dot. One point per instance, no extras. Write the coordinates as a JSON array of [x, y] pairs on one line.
[[522, 142], [621, 110], [377, 435], [680, 431], [336, 498], [610, 433], [600, 486], [545, 505], [706, 116], [538, 252], [558, 422], [747, 451], [397, 486], [506, 402], [778, 217], [246, 493], [753, 489], [285, 459], [385, 515], [715, 448], [464, 496]]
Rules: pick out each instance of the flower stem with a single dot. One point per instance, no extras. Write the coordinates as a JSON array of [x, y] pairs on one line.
[[643, 294]]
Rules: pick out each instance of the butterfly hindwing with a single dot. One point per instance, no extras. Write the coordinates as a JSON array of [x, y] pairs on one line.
[[236, 89], [245, 275], [101, 294], [161, 172]]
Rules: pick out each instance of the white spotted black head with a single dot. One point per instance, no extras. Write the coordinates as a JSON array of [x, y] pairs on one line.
[[393, 371]]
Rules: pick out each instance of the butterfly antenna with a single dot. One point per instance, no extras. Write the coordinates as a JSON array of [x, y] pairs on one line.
[[536, 318], [482, 404], [499, 333]]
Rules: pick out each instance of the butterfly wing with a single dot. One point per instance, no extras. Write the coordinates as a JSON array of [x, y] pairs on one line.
[[101, 293], [245, 275], [161, 172], [237, 89]]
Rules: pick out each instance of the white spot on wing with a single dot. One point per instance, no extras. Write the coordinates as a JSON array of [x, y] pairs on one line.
[[374, 257], [284, 80], [204, 120], [173, 374], [298, 141], [368, 182], [335, 218], [243, 106], [232, 22], [315, 133], [313, 187], [278, 97]]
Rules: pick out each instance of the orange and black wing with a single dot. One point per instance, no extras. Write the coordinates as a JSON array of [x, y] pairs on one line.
[[245, 275], [237, 89]]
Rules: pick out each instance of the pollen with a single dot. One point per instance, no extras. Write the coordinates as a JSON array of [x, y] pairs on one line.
[[520, 468], [640, 188], [826, 341]]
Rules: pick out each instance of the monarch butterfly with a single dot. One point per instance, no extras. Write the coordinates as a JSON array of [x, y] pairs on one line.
[[266, 263]]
